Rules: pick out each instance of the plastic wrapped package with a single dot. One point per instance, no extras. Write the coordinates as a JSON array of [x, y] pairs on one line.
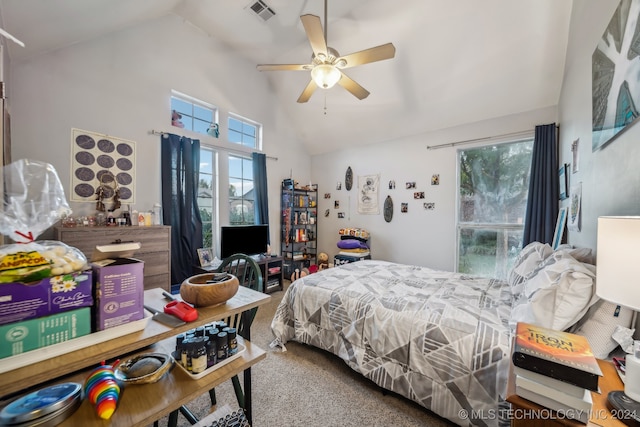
[[33, 201]]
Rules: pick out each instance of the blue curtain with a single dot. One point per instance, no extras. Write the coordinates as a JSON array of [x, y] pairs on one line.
[[180, 170], [261, 207], [544, 187]]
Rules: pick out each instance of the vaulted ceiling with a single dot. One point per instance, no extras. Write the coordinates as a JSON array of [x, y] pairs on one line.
[[456, 61]]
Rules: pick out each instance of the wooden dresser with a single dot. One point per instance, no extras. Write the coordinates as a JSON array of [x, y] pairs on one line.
[[155, 247]]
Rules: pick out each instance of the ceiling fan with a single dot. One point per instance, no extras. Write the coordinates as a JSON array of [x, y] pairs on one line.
[[326, 64]]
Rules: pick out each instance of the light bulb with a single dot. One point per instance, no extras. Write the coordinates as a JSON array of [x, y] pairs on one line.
[[325, 75]]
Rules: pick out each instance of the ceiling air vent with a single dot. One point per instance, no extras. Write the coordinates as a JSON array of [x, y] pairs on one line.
[[262, 10]]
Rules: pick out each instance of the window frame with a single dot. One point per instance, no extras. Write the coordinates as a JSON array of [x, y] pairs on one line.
[[257, 144], [195, 103], [490, 226], [243, 201], [213, 156]]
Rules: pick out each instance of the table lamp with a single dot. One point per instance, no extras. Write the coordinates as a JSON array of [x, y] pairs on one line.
[[617, 281]]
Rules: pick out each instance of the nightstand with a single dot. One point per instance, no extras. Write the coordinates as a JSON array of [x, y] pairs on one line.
[[532, 414]]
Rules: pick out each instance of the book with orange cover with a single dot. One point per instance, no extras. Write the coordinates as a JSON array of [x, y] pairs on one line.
[[561, 355]]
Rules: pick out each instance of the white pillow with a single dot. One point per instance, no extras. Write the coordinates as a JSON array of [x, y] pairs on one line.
[[557, 294], [599, 323], [580, 254], [526, 263]]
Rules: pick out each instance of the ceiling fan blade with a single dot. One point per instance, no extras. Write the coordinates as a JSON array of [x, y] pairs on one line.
[[282, 67], [307, 92], [313, 28], [353, 87], [378, 53]]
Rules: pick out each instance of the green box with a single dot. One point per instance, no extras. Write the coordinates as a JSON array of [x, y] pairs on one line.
[[27, 335]]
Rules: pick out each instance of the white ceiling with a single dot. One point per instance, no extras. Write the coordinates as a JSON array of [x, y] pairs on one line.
[[456, 62]]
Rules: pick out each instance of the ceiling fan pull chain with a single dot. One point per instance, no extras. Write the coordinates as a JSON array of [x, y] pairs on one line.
[[325, 104]]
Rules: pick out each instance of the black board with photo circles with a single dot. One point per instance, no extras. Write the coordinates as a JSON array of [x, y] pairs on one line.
[[99, 159]]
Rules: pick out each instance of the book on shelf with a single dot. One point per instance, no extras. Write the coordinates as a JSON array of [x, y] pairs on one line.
[[296, 256], [580, 403], [561, 355], [566, 410]]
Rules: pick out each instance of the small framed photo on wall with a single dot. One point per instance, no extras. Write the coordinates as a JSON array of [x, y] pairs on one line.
[[563, 179]]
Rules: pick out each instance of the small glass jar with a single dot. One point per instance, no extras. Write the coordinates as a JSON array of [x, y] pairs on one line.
[[199, 355], [185, 357], [222, 345], [232, 341]]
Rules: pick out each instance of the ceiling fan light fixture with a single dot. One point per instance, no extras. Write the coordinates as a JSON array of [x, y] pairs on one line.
[[325, 75]]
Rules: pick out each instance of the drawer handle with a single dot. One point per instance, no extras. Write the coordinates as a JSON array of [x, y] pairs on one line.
[[118, 241]]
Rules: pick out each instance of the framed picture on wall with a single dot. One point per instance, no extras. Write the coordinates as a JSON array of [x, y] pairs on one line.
[[563, 177], [614, 77], [575, 214]]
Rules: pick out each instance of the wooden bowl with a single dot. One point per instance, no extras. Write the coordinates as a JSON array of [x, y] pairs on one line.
[[195, 290]]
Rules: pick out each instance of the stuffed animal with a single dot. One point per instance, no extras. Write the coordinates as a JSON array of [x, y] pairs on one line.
[[213, 130], [323, 261], [175, 119]]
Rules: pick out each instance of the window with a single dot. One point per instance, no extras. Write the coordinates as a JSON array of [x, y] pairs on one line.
[[192, 114], [206, 189], [493, 185], [241, 195], [244, 132]]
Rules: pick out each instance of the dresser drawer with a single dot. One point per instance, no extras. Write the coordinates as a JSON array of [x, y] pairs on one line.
[[151, 239], [154, 262], [155, 247]]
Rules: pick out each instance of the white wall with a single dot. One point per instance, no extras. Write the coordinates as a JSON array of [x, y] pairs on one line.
[[610, 177], [419, 237], [120, 85]]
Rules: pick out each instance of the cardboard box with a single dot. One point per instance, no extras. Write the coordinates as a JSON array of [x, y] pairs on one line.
[[119, 285], [27, 335], [20, 301]]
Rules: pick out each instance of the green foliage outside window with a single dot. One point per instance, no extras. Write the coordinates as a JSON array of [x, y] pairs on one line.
[[493, 191]]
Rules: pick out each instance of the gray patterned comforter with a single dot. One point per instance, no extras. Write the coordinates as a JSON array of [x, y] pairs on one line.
[[439, 338]]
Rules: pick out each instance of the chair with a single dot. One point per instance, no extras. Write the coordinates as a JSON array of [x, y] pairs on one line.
[[249, 275]]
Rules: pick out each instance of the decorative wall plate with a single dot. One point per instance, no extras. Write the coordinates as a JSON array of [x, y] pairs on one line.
[[348, 179], [388, 209]]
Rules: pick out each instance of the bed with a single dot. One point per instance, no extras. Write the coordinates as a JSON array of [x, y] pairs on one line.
[[441, 339]]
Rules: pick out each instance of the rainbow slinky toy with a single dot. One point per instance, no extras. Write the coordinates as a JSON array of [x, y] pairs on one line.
[[102, 390]]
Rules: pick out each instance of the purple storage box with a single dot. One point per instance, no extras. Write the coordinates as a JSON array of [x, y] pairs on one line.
[[53, 295], [119, 285]]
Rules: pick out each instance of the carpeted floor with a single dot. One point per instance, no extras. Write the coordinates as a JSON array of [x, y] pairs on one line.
[[306, 386]]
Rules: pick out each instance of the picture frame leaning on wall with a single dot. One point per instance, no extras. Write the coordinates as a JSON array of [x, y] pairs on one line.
[[560, 226]]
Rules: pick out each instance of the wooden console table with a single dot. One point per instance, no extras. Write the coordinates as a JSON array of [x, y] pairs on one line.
[[141, 405]]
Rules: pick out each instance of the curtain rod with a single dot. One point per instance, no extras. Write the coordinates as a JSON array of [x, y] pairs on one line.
[[469, 141], [165, 134]]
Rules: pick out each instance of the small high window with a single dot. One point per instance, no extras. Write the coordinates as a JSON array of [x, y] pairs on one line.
[[244, 132], [195, 115]]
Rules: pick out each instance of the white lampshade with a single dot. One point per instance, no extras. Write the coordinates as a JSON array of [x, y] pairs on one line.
[[325, 75], [618, 260]]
